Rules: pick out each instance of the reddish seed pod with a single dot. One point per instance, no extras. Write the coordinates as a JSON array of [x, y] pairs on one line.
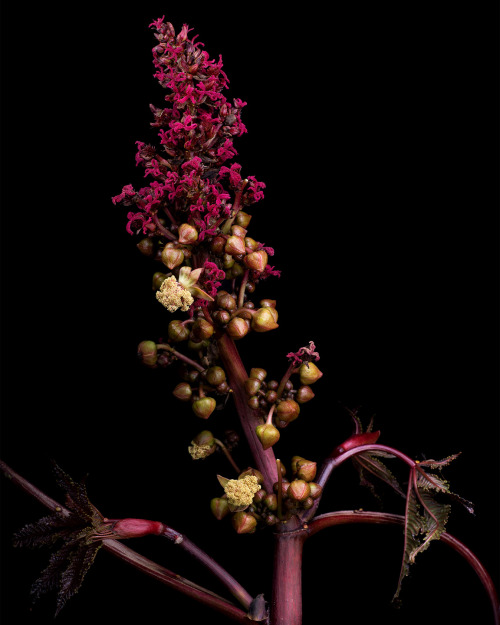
[[288, 410], [237, 328], [252, 386], [299, 490]]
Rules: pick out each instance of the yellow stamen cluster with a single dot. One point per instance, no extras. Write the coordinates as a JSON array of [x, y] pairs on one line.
[[241, 492], [174, 296], [200, 451]]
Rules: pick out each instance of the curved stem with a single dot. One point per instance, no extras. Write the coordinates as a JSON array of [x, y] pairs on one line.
[[285, 379], [228, 455], [332, 463], [145, 565], [166, 233], [180, 356], [343, 517], [241, 296]]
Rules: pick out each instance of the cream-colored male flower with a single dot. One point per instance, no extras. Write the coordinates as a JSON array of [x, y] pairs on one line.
[[200, 451], [175, 294], [240, 492]]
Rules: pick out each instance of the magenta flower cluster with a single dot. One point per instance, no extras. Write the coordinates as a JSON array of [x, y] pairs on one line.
[[196, 130]]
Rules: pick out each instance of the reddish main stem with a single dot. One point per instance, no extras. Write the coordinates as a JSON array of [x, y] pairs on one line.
[[264, 459], [286, 608]]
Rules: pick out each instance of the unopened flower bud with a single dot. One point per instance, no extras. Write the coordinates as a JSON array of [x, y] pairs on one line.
[[183, 391], [259, 373], [235, 245], [268, 435], [305, 469], [316, 490], [148, 353], [158, 279], [215, 375], [267, 303], [251, 244], [203, 407], [202, 330], [187, 234], [263, 320], [254, 402], [243, 219], [146, 246], [287, 410], [177, 331], [236, 271], [259, 496], [221, 317], [172, 257], [254, 472], [252, 385], [299, 490], [244, 523], [256, 260], [227, 261], [309, 373], [226, 301], [238, 231], [271, 502], [271, 519], [304, 394], [135, 528], [237, 328], [219, 507], [217, 245]]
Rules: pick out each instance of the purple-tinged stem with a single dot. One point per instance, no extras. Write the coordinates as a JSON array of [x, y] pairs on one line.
[[332, 463], [286, 607], [343, 517], [145, 565], [285, 379], [227, 454], [249, 418], [235, 588], [166, 233], [174, 581], [180, 356]]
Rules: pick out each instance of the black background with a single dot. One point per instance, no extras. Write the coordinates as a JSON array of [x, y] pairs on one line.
[[375, 131]]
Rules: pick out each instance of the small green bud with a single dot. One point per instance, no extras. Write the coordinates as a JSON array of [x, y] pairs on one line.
[[271, 501], [264, 320], [287, 410], [203, 407], [187, 234], [299, 490], [183, 391], [242, 219], [235, 245], [158, 280], [259, 373], [215, 375], [219, 507], [237, 328], [244, 523], [304, 394], [148, 353], [316, 490], [309, 373], [268, 435], [177, 331], [172, 257], [202, 330], [146, 246], [256, 260], [252, 385]]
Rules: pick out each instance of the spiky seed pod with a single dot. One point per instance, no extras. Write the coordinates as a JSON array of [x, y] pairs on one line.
[[309, 373]]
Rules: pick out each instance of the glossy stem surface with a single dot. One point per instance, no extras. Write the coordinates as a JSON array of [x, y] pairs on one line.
[[286, 605], [265, 460]]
